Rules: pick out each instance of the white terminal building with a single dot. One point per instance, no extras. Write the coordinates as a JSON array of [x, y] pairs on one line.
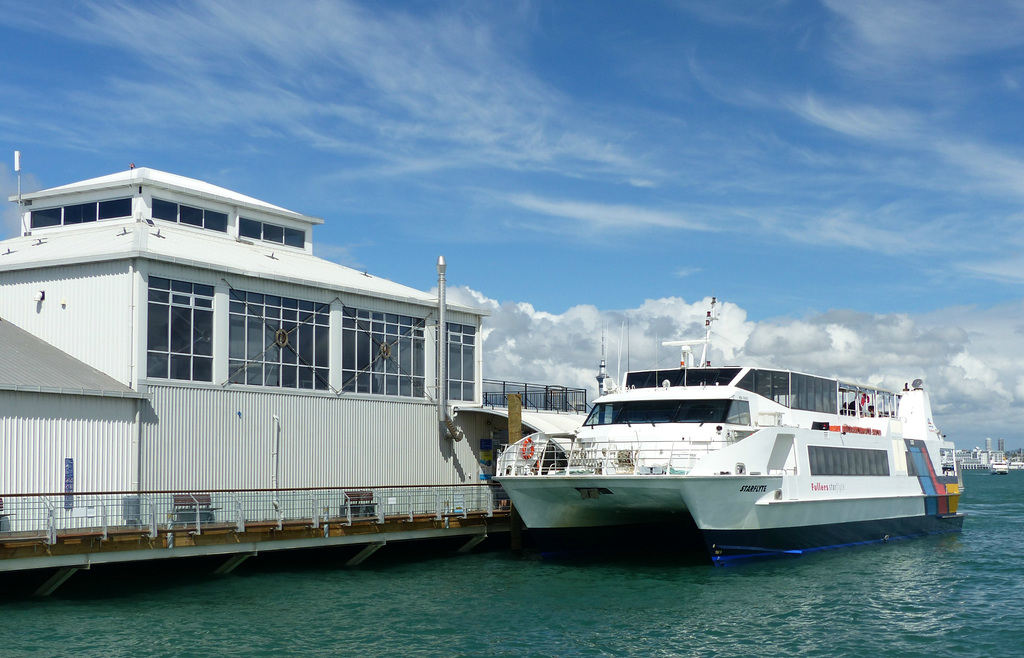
[[166, 334]]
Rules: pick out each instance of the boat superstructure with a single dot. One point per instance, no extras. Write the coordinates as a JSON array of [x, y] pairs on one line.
[[739, 461]]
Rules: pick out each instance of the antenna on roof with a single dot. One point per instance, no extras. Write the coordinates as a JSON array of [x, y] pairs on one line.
[[17, 168]]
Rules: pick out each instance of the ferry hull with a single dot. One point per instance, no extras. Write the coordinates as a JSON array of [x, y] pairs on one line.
[[726, 546]]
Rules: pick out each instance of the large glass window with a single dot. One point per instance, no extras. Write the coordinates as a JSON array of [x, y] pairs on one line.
[[81, 213], [180, 334], [828, 460], [278, 341], [461, 361], [670, 411], [203, 218], [382, 353]]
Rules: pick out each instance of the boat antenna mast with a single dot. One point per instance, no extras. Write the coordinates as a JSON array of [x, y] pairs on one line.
[[686, 351]]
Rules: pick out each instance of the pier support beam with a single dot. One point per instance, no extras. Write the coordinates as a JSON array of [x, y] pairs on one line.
[[472, 543], [232, 563], [365, 553], [56, 580]]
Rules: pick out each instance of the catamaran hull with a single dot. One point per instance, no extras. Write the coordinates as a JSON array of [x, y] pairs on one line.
[[728, 517], [726, 546]]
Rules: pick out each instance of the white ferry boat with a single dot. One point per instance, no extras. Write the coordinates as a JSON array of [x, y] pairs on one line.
[[740, 461], [1000, 468]]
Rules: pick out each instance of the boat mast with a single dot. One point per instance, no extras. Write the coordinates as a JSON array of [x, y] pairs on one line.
[[685, 345]]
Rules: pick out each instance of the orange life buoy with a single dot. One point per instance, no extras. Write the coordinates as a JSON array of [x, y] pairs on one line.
[[527, 449]]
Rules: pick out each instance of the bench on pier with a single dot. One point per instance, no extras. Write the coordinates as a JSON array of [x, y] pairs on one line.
[[360, 503], [188, 507]]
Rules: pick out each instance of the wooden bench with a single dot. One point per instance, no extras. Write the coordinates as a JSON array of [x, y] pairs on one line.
[[360, 503], [187, 507]]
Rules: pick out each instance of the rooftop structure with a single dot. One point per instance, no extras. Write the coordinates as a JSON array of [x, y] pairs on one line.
[[251, 362]]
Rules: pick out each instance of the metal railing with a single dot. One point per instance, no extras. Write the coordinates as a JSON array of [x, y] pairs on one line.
[[538, 397], [540, 454], [46, 517]]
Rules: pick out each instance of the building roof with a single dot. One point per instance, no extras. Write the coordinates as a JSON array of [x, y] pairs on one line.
[[147, 177], [32, 365], [184, 245]]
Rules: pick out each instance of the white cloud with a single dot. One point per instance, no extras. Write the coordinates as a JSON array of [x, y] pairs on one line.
[[970, 360], [599, 216]]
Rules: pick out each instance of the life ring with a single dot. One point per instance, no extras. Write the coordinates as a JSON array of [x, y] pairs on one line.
[[527, 449]]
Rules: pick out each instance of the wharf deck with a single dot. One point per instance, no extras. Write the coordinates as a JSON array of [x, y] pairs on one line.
[[206, 529]]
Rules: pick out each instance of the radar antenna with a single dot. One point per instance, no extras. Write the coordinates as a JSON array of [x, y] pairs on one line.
[[686, 353]]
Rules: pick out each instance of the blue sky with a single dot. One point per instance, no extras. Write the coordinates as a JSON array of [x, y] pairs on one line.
[[848, 177]]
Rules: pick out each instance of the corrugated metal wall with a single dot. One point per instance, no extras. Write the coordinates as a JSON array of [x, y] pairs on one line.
[[197, 438], [87, 311], [38, 431]]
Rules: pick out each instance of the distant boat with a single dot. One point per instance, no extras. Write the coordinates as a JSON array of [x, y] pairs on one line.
[[1000, 468]]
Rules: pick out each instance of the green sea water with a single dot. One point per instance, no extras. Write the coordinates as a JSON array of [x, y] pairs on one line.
[[957, 595]]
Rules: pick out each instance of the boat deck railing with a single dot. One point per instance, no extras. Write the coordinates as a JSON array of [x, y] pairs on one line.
[[544, 455], [50, 517]]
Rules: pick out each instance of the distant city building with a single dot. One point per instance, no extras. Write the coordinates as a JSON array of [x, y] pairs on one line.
[[1002, 448], [988, 444]]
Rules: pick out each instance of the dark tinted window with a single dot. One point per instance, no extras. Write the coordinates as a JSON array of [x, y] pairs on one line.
[[115, 208], [165, 210], [293, 237], [273, 233], [191, 216], [216, 221], [250, 228], [48, 217], [83, 212]]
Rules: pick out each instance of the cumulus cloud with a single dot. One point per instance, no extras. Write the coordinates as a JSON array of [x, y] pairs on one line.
[[961, 354]]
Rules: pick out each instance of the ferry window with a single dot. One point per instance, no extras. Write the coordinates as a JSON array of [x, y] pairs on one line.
[[660, 411], [115, 208], [648, 411], [603, 413], [814, 393], [703, 411], [180, 331], [382, 353], [461, 361], [828, 460], [273, 233], [710, 376], [278, 341], [739, 413]]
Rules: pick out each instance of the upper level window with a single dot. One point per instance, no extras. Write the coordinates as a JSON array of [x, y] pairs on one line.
[[251, 228], [80, 213], [179, 212], [461, 361], [180, 334], [278, 341], [382, 353]]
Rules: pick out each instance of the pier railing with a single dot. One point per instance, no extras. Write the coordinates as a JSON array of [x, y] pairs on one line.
[[45, 517], [538, 397]]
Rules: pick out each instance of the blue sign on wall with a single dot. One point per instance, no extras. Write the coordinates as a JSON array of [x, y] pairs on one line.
[[69, 482]]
